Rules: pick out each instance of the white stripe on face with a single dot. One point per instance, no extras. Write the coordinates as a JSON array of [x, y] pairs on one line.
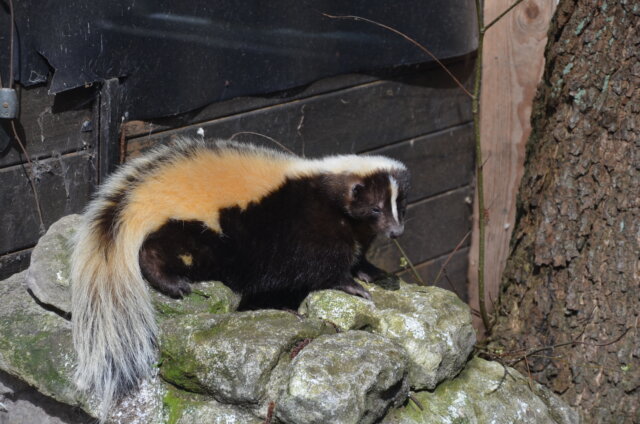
[[393, 184]]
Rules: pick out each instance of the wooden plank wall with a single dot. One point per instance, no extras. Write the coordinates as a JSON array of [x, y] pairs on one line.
[[59, 137], [417, 116], [513, 64]]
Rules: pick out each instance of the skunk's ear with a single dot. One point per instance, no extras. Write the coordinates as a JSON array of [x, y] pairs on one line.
[[356, 189]]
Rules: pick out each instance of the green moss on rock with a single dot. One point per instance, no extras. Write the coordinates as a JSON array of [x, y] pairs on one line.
[[182, 407], [344, 310], [483, 393], [345, 378], [175, 403], [432, 324], [35, 344], [206, 297], [231, 356]]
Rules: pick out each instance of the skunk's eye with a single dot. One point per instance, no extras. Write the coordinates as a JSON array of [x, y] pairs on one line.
[[376, 211]]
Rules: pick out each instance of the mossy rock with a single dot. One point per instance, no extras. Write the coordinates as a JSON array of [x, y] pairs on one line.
[[432, 324], [181, 407], [485, 392], [49, 279], [210, 297], [35, 344], [226, 366], [352, 377], [48, 276], [231, 356]]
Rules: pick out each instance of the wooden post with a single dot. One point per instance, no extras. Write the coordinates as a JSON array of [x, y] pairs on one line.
[[513, 61]]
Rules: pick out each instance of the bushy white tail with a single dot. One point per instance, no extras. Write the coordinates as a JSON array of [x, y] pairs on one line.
[[114, 330]]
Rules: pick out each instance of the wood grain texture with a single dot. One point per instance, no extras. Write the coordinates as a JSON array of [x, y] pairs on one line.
[[50, 125], [453, 276], [64, 185], [355, 119], [434, 227], [244, 104], [513, 62], [14, 262], [60, 134], [439, 162]]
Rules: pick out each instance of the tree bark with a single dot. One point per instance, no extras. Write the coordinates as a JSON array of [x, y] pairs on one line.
[[574, 269]]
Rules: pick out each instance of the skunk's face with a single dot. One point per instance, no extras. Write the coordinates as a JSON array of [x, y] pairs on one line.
[[380, 200]]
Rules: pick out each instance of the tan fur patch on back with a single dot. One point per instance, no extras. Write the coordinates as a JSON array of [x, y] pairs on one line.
[[196, 188]]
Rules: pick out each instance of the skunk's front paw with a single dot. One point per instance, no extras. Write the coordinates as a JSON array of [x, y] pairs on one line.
[[355, 289]]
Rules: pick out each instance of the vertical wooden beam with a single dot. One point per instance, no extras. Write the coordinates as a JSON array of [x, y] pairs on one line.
[[513, 62], [110, 110]]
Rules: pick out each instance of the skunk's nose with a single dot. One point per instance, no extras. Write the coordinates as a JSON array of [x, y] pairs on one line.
[[396, 231]]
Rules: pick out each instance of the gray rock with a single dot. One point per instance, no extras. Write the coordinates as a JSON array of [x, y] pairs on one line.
[[210, 297], [36, 348], [49, 281], [190, 408], [35, 344], [483, 393], [416, 335], [231, 356], [48, 274], [351, 377], [346, 311], [432, 324], [22, 404], [142, 406]]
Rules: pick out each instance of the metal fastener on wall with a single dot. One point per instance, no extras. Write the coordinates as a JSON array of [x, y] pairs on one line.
[[8, 103]]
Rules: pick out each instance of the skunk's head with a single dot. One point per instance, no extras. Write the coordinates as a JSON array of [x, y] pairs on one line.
[[380, 201]]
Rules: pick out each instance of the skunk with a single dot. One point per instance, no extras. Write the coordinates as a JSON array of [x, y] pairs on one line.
[[270, 225]]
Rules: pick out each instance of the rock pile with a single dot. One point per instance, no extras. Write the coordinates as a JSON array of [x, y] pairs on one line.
[[340, 359]]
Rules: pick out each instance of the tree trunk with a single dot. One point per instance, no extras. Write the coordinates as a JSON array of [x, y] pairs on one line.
[[574, 269]]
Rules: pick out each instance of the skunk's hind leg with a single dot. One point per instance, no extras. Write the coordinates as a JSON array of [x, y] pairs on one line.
[[178, 253], [163, 271]]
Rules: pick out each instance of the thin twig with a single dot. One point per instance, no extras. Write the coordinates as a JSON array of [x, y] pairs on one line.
[[446, 262], [555, 358], [500, 16], [475, 110], [486, 160], [29, 173], [453, 287], [282, 146], [531, 351], [503, 379], [416, 401], [404, 255], [526, 362], [409, 39]]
